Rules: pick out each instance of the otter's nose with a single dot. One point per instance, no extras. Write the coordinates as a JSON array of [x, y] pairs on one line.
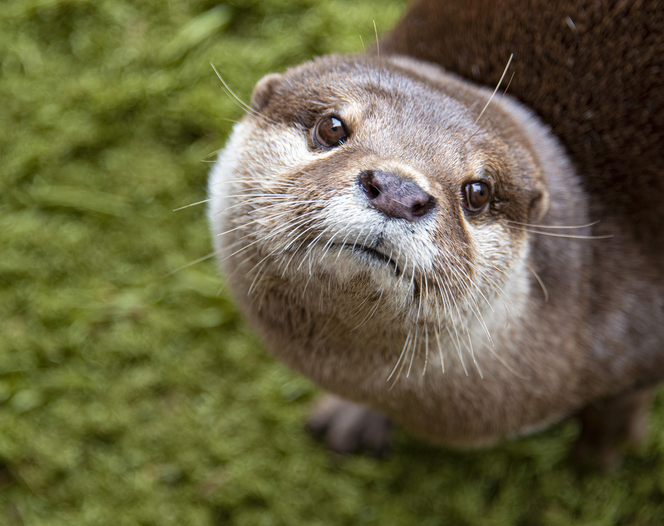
[[395, 197]]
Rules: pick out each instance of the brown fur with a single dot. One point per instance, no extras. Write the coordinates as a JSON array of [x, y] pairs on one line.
[[593, 70], [573, 321]]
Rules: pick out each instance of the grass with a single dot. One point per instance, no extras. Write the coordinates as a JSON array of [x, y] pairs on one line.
[[132, 393]]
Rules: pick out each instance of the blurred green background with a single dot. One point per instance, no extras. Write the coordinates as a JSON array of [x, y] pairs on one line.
[[131, 392]]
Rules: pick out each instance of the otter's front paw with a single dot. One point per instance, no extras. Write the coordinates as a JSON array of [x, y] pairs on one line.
[[608, 424], [347, 427]]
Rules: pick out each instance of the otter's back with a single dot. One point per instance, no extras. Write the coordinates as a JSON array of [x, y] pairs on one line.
[[593, 70]]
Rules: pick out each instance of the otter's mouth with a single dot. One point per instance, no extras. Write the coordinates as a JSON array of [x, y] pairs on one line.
[[369, 254]]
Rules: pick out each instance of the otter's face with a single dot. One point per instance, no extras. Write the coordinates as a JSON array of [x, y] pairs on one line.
[[368, 182]]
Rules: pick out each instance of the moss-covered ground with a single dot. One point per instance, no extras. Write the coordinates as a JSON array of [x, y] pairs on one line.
[[131, 392]]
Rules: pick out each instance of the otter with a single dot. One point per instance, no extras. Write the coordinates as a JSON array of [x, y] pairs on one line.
[[469, 264]]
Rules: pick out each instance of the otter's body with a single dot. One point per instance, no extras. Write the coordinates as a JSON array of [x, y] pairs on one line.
[[443, 261]]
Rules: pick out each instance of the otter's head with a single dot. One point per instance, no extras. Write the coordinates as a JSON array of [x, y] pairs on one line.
[[373, 187]]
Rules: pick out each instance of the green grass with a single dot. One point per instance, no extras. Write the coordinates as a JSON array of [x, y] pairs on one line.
[[132, 394]]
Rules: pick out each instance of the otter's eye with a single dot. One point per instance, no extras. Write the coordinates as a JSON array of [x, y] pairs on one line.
[[330, 132], [475, 196]]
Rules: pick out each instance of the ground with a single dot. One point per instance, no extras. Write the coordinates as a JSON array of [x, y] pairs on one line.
[[131, 391]]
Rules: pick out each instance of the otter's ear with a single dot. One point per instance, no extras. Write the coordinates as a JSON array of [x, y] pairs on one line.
[[539, 204], [264, 90]]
